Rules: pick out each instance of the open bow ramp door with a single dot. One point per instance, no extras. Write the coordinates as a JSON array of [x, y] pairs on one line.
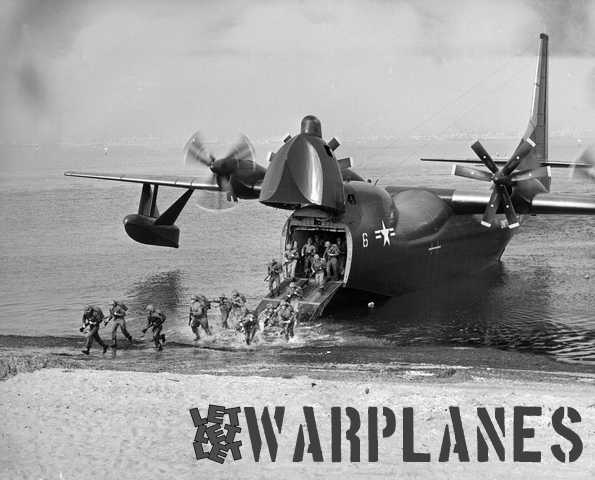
[[313, 224]]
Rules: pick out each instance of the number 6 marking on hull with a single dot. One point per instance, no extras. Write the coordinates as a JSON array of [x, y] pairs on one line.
[[365, 240]]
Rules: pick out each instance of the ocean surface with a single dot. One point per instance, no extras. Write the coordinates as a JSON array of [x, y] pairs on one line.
[[62, 246]]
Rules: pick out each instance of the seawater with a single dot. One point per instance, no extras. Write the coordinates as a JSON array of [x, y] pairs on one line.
[[62, 246]]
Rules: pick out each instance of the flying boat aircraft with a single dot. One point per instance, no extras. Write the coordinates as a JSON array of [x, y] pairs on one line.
[[398, 238]]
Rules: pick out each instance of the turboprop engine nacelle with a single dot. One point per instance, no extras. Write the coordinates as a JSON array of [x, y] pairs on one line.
[[143, 229], [304, 172]]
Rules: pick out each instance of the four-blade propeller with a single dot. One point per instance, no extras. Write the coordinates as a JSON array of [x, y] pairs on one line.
[[503, 180], [240, 159]]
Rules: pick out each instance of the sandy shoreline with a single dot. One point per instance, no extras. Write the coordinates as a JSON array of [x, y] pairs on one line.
[[83, 423]]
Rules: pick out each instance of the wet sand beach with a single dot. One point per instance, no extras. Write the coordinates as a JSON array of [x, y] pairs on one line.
[[87, 423]]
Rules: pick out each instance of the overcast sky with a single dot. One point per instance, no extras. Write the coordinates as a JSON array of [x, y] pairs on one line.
[[113, 71]]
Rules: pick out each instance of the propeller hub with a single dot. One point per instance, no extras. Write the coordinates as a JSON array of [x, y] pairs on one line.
[[503, 180], [500, 178]]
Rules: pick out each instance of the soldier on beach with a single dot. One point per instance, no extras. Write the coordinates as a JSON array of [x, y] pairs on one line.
[[117, 313], [92, 318], [155, 319], [199, 307]]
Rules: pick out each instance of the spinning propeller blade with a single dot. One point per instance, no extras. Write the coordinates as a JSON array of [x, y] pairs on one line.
[[240, 159], [587, 158]]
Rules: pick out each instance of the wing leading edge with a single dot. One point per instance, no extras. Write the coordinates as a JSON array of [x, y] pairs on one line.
[[469, 203], [543, 203], [502, 161], [162, 180]]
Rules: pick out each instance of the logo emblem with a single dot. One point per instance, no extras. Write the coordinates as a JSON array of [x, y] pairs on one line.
[[212, 430]]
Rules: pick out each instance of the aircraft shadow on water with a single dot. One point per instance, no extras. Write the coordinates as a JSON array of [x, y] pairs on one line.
[[398, 239]]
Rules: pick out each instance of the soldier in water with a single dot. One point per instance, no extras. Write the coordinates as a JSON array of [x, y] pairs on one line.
[[199, 307], [238, 309], [287, 318], [225, 309], [266, 317], [249, 326], [294, 294], [155, 319], [92, 318], [117, 314]]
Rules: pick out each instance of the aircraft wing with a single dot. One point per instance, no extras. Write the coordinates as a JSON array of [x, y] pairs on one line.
[[164, 180], [502, 161], [467, 203], [543, 203]]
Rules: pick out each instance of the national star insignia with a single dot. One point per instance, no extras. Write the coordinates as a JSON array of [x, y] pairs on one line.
[[385, 234]]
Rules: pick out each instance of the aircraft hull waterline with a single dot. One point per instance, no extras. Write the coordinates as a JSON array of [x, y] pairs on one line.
[[461, 248], [407, 241]]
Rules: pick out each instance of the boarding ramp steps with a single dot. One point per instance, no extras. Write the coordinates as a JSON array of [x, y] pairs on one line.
[[314, 301]]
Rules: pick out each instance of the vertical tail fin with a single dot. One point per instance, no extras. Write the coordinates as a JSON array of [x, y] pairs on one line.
[[537, 129]]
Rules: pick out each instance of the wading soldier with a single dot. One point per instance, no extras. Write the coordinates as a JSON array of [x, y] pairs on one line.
[[287, 316], [155, 319], [117, 313], [265, 318], [250, 326], [225, 309], [198, 315], [294, 294], [92, 318], [238, 309]]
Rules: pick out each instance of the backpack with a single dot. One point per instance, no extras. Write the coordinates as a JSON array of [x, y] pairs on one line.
[[197, 309]]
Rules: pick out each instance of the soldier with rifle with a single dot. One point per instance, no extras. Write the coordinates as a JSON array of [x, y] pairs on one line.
[[92, 318], [155, 319]]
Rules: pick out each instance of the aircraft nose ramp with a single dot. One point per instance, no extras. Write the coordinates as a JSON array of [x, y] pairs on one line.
[[313, 302]]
